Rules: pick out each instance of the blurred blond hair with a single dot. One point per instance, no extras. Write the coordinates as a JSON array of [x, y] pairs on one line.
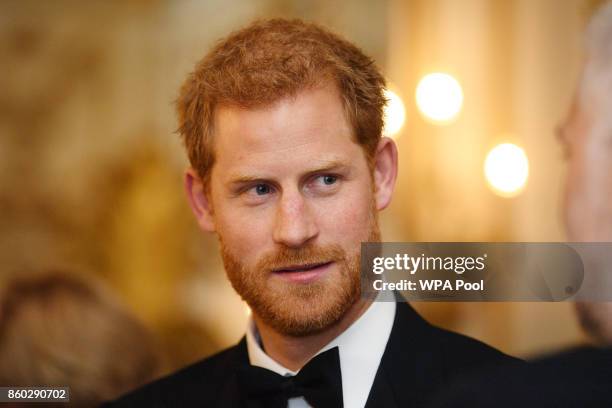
[[59, 329]]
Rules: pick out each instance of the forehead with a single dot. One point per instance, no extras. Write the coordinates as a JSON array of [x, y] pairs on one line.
[[311, 125]]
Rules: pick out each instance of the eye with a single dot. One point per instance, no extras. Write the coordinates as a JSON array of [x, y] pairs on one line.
[[262, 189], [328, 179], [325, 184]]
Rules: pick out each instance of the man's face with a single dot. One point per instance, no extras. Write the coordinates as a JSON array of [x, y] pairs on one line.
[[291, 198], [574, 135], [587, 139], [586, 136]]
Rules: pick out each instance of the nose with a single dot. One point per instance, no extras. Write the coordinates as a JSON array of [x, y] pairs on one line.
[[295, 224]]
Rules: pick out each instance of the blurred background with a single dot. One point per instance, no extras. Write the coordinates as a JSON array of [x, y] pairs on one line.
[[91, 169]]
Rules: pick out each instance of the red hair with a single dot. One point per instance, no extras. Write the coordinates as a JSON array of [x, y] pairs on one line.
[[271, 59]]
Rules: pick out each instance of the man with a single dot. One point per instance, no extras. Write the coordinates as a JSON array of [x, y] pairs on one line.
[[581, 377], [282, 122], [587, 137]]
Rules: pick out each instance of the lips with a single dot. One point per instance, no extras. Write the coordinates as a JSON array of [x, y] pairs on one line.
[[300, 268], [303, 273]]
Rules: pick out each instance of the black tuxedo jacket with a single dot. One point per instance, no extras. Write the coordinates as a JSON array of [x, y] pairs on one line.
[[418, 359], [578, 378]]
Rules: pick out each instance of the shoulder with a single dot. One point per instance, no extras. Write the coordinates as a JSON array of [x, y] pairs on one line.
[[574, 378], [462, 353], [196, 383], [421, 358], [453, 353]]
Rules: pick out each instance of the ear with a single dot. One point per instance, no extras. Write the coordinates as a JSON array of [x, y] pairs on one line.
[[199, 200], [385, 172]]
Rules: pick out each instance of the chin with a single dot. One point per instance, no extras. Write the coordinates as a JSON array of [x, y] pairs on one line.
[[302, 310], [596, 319]]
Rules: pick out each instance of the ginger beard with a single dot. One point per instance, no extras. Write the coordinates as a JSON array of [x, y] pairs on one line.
[[300, 309]]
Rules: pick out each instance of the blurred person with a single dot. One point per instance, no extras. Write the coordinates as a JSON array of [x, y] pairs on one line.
[[581, 377], [587, 137], [59, 329], [282, 122]]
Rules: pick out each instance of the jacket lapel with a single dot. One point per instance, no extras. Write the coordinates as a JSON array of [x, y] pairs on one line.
[[230, 395], [213, 385], [409, 370]]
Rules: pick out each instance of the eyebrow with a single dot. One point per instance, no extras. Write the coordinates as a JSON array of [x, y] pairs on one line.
[[324, 166]]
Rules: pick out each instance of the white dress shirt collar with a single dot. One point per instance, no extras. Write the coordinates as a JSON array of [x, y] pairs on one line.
[[361, 348]]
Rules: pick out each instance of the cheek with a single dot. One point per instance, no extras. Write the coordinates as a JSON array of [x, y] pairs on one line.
[[244, 233], [577, 173], [347, 219]]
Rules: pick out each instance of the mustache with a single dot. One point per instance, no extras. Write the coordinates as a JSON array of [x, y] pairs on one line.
[[285, 257]]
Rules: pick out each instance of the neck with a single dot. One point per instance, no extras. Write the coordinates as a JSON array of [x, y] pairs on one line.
[[294, 352]]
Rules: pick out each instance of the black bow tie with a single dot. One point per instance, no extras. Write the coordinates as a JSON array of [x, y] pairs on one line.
[[319, 382]]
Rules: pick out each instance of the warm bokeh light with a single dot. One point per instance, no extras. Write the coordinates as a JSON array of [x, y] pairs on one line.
[[506, 169], [395, 114], [439, 97]]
